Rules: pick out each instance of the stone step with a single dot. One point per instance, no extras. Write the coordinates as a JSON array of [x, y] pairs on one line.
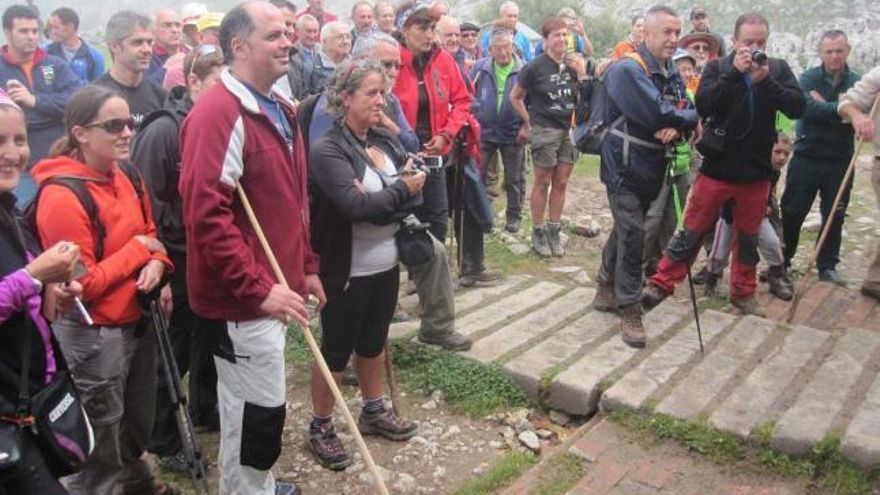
[[508, 307], [637, 386], [750, 402], [812, 415], [861, 444], [696, 391], [576, 390], [464, 301], [528, 368], [531, 326]]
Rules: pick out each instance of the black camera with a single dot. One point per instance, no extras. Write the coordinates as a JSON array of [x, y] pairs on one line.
[[759, 57]]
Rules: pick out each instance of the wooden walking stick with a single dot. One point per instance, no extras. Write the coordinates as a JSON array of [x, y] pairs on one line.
[[802, 284], [392, 381], [313, 346]]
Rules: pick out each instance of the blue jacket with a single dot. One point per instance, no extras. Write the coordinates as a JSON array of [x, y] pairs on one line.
[[497, 126], [54, 84], [521, 45], [87, 63], [649, 103]]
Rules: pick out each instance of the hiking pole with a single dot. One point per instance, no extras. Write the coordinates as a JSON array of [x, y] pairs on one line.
[[313, 346], [676, 199], [194, 460], [392, 380], [802, 284]]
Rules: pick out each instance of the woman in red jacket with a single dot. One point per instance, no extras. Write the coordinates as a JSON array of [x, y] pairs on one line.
[[434, 100], [113, 362]]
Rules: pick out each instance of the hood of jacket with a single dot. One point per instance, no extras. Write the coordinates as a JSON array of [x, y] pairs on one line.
[[65, 166]]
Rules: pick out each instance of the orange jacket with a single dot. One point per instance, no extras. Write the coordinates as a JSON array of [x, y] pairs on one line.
[[622, 48], [109, 285]]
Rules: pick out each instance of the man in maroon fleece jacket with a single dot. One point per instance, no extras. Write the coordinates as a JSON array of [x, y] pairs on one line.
[[242, 133]]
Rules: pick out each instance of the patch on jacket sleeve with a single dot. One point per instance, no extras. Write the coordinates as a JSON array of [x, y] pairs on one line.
[[233, 162]]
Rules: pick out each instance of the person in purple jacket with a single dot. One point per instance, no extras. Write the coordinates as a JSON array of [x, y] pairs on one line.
[[29, 294]]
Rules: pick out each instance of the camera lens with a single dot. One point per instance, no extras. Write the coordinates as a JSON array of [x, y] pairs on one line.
[[759, 57]]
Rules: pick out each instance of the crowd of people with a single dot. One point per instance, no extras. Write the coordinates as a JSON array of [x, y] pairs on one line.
[[360, 143]]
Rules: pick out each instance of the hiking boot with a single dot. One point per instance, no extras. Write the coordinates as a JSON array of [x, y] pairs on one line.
[[176, 463], [605, 299], [479, 278], [631, 329], [452, 341], [872, 292], [349, 375], [710, 284], [748, 305], [513, 225], [286, 488], [386, 424], [540, 243], [556, 248], [831, 275], [652, 295], [699, 278], [327, 447], [780, 285]]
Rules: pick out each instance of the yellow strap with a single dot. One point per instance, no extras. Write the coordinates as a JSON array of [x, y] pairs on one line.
[[638, 58]]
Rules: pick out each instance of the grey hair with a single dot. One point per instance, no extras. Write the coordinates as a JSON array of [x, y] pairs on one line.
[[506, 5], [237, 23], [498, 33], [306, 19], [833, 34], [366, 44], [656, 11], [123, 23], [360, 3], [333, 26], [348, 78], [381, 3]]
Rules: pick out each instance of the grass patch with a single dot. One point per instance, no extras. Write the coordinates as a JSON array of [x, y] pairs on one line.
[[824, 470], [587, 166], [508, 468], [469, 386], [558, 479]]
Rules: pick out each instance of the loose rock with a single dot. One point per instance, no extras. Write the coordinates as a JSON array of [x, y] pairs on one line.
[[530, 440], [559, 418]]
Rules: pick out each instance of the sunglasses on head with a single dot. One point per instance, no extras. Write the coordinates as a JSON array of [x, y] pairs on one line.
[[202, 51], [114, 126]]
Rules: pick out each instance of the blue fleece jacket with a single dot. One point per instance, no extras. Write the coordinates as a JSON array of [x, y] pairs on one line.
[[53, 84], [497, 126], [87, 63]]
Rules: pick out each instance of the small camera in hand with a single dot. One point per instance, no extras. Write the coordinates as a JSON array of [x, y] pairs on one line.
[[759, 57], [426, 164]]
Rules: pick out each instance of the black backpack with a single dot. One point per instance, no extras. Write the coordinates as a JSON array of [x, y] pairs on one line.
[[78, 186], [589, 122]]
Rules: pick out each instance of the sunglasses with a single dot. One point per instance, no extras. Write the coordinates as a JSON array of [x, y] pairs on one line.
[[202, 51], [699, 47], [114, 126], [470, 34]]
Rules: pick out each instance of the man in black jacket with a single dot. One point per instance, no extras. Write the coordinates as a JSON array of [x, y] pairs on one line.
[[738, 97], [156, 152]]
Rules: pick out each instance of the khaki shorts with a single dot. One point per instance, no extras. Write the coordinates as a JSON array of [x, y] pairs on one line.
[[551, 146]]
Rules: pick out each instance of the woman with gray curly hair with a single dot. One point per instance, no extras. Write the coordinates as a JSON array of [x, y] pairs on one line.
[[363, 185]]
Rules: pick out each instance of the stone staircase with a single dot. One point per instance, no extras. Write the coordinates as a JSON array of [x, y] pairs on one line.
[[800, 383]]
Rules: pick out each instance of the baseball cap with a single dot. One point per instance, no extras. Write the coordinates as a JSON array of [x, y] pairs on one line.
[[698, 11], [191, 13], [469, 26], [209, 20]]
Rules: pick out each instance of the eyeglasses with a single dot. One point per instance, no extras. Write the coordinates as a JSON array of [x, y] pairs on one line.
[[114, 126], [202, 50], [469, 34], [699, 47], [391, 64]]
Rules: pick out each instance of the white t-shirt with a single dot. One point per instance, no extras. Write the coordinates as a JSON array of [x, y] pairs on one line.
[[372, 246]]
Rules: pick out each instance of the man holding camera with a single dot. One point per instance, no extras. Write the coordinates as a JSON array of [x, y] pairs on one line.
[[738, 97]]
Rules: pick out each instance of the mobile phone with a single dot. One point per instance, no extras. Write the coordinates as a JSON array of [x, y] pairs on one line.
[[79, 269], [433, 161]]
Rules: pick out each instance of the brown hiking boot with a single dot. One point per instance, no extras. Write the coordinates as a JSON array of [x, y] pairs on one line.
[[780, 285], [748, 305], [452, 341], [631, 329], [710, 287], [327, 447], [605, 300], [652, 295], [386, 424]]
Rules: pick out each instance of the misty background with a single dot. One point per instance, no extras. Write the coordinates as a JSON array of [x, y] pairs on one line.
[[796, 25]]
